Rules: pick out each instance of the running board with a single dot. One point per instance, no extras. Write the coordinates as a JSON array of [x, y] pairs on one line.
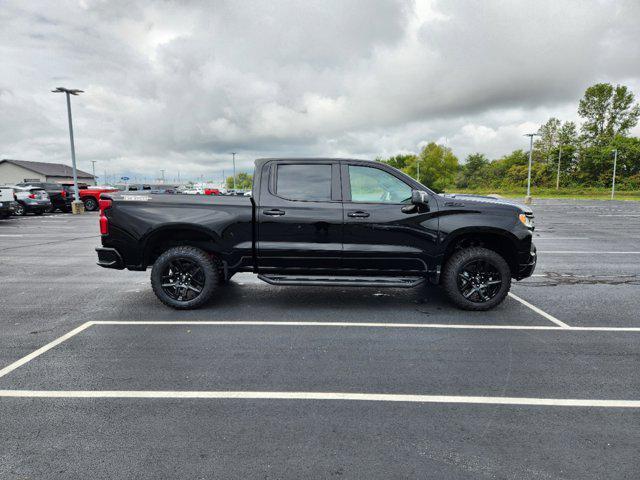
[[326, 281]]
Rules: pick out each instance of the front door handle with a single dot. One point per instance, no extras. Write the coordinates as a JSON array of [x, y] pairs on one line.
[[274, 212], [358, 214]]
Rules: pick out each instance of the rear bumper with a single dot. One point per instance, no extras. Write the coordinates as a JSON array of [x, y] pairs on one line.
[[527, 263], [109, 258]]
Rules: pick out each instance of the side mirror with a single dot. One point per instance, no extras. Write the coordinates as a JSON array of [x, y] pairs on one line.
[[419, 202], [419, 197]]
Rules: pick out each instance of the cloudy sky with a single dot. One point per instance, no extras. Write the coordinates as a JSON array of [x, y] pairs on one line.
[[177, 85]]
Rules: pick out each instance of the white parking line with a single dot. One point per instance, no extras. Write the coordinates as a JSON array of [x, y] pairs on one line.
[[362, 397], [535, 239], [366, 325], [41, 350], [562, 327], [587, 253], [539, 311]]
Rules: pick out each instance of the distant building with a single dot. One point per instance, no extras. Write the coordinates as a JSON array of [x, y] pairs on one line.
[[17, 171]]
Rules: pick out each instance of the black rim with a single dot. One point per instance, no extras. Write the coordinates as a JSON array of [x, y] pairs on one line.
[[479, 281], [183, 279]]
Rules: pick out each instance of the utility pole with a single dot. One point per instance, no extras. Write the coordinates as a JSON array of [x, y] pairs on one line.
[[558, 177], [77, 206], [613, 183], [234, 169], [527, 199], [162, 172], [93, 169]]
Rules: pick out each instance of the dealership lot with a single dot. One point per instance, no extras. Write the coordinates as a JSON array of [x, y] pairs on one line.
[[314, 383]]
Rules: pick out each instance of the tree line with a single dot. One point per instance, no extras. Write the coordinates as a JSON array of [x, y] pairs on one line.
[[563, 155]]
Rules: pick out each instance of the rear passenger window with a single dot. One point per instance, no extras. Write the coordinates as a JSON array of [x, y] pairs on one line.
[[304, 182]]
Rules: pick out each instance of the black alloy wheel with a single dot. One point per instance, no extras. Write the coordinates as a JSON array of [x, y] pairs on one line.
[[184, 277], [476, 278], [479, 281]]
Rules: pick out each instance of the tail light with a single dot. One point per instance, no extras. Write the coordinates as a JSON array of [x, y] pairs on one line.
[[32, 195], [104, 204], [64, 194]]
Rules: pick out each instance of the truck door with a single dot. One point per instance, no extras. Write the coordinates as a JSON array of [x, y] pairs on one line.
[[300, 217], [379, 238]]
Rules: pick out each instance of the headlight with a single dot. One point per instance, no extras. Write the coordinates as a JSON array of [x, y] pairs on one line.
[[526, 220]]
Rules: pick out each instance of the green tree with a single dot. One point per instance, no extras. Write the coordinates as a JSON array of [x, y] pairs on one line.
[[473, 172], [438, 167], [548, 139], [244, 181], [400, 161], [607, 111]]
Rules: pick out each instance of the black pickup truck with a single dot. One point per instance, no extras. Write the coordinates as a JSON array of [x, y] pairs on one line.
[[325, 222]]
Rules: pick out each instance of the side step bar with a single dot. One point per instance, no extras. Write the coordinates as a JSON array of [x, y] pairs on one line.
[[329, 281]]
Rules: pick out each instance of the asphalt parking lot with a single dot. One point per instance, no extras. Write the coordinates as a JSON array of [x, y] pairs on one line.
[[269, 382]]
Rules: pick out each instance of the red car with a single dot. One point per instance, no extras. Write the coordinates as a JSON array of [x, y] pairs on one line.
[[91, 195], [211, 191]]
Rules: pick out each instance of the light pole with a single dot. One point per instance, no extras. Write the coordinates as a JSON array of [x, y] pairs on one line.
[[558, 177], [613, 182], [234, 169], [162, 172], [77, 206], [527, 199]]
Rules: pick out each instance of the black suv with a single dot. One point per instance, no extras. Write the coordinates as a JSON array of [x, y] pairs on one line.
[[61, 196]]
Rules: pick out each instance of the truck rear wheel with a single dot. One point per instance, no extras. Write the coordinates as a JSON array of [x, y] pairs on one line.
[[184, 277], [476, 278], [91, 204]]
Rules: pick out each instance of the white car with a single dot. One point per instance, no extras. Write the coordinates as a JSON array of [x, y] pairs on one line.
[[7, 201]]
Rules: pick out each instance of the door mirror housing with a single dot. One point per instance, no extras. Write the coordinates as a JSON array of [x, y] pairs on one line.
[[419, 202], [419, 198]]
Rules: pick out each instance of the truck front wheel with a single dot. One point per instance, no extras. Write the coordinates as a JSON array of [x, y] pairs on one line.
[[184, 277], [476, 278]]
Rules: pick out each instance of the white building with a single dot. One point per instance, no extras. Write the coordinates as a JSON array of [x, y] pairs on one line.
[[17, 171]]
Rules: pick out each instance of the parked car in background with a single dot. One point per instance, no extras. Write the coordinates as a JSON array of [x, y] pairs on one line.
[[149, 188], [60, 198], [193, 191], [212, 191], [90, 195], [31, 200], [7, 201]]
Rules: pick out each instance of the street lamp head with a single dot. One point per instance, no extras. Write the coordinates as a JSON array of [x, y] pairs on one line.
[[71, 91]]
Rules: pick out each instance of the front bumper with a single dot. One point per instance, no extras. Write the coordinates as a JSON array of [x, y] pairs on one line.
[[109, 258], [527, 263]]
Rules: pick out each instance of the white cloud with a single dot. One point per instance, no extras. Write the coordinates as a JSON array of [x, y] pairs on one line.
[[178, 85]]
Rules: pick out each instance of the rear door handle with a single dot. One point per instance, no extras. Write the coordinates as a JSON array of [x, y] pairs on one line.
[[274, 212], [358, 214]]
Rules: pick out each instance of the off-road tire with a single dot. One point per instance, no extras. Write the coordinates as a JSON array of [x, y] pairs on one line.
[[193, 254], [453, 267]]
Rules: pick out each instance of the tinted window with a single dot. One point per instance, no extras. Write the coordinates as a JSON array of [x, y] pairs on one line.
[[304, 182], [373, 185]]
